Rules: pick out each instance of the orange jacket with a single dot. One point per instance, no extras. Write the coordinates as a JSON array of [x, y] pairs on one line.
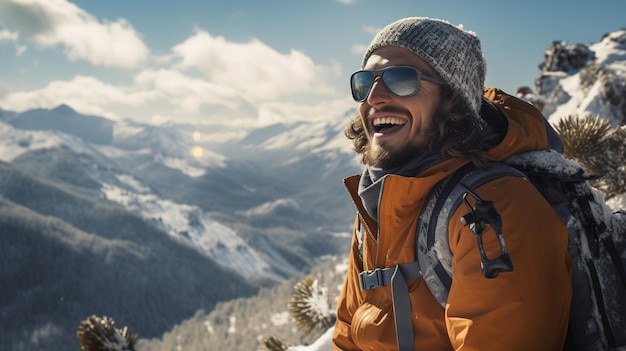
[[526, 309]]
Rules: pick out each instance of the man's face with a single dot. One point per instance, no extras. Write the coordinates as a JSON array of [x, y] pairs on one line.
[[396, 126]]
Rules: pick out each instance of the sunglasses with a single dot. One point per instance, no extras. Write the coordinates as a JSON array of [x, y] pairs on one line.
[[399, 80]]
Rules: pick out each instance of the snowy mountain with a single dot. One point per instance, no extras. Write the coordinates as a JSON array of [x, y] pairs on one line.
[[252, 206], [161, 172], [585, 79]]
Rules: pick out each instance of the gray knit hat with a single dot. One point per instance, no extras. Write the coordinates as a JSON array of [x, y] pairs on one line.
[[453, 52]]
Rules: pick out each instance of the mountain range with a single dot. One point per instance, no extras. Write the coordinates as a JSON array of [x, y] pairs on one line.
[[153, 223]]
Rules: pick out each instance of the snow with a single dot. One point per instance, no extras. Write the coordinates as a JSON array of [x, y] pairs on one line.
[[209, 327], [270, 207], [189, 224], [186, 223], [118, 343], [608, 52], [315, 138], [183, 166], [618, 202], [280, 319], [126, 129], [323, 343], [546, 162], [16, 142], [318, 301], [233, 325]]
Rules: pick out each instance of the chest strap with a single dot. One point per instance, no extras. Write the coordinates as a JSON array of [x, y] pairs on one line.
[[397, 277], [380, 277]]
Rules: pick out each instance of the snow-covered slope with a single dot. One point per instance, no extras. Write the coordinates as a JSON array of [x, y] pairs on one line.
[[185, 222], [190, 224], [174, 175], [585, 79]]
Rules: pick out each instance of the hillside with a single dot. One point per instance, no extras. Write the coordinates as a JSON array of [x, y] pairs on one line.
[[150, 224], [66, 254]]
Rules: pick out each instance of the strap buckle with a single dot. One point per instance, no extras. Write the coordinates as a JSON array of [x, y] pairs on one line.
[[373, 279]]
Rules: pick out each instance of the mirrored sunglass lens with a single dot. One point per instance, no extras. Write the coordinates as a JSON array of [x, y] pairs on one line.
[[402, 81], [361, 85]]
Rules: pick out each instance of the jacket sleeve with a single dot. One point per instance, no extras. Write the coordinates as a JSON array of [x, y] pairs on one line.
[[528, 308], [349, 298]]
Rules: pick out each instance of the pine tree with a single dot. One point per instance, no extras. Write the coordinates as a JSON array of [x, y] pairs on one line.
[[100, 334], [273, 343], [312, 310], [600, 149], [311, 306]]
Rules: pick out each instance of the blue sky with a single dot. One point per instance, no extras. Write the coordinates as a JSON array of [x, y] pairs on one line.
[[249, 61]]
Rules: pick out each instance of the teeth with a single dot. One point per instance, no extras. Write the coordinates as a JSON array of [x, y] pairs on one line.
[[388, 120]]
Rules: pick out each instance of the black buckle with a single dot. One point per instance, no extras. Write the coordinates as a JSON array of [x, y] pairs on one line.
[[373, 279]]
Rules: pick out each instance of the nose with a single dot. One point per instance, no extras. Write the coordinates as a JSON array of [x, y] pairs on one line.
[[378, 93]]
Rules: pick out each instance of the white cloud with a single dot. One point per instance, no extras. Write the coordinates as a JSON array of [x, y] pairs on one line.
[[48, 23], [288, 112], [155, 96], [85, 94], [253, 68], [371, 30], [205, 79], [358, 49], [188, 94], [6, 35]]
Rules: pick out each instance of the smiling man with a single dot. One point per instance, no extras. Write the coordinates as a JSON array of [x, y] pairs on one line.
[[423, 115]]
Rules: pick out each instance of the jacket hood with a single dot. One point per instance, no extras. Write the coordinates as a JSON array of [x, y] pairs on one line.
[[526, 128]]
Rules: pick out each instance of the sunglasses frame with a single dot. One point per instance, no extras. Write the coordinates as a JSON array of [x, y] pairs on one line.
[[380, 72]]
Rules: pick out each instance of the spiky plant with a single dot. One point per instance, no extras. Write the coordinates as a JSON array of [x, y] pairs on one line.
[[600, 149], [273, 343], [100, 334], [311, 307]]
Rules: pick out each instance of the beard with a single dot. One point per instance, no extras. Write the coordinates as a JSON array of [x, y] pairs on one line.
[[379, 157]]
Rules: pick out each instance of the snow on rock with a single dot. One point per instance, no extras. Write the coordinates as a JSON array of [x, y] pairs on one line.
[[585, 80]]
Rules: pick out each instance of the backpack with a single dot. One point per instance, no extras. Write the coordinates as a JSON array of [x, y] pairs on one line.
[[597, 241], [597, 246]]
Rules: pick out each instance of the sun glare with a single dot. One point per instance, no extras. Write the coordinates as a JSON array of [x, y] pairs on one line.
[[197, 151]]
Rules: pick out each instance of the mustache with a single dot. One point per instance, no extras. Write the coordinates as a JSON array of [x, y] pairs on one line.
[[390, 109]]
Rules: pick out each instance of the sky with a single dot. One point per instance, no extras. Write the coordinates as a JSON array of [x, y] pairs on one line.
[[249, 62]]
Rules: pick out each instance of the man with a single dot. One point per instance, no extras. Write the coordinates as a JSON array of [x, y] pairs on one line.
[[420, 95]]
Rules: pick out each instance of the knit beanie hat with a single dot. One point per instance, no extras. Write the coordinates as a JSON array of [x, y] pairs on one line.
[[453, 52]]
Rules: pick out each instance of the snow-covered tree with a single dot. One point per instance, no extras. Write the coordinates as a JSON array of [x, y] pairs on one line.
[[311, 307], [100, 334]]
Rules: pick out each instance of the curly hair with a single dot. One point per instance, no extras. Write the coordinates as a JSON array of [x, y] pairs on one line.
[[455, 132]]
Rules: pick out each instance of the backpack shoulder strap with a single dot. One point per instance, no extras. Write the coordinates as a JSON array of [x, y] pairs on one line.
[[432, 248]]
